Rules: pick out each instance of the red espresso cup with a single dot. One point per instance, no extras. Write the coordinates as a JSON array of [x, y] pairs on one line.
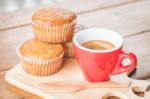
[[98, 65]]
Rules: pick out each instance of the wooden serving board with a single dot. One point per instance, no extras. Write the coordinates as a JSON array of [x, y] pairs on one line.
[[71, 71]]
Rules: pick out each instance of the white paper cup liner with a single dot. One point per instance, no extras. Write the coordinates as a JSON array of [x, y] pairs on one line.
[[39, 67], [53, 34], [69, 50]]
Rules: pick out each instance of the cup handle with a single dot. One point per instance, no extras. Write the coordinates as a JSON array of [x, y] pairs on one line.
[[120, 68]]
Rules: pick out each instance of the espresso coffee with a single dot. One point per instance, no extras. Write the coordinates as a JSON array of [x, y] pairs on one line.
[[98, 45]]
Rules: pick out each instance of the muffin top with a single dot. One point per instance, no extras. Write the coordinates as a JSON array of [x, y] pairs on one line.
[[53, 16], [34, 48]]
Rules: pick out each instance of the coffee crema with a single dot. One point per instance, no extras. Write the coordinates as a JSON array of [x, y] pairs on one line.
[[98, 45]]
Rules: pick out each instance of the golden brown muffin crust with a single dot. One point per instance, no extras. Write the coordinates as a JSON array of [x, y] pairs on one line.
[[53, 16], [40, 49]]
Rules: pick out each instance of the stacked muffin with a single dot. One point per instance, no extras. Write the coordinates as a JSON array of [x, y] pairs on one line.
[[52, 27], [40, 58], [69, 53]]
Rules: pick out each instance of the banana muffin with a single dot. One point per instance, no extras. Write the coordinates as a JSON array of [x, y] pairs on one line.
[[53, 25], [40, 58]]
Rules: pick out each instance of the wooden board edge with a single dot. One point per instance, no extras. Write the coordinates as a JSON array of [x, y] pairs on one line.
[[24, 87]]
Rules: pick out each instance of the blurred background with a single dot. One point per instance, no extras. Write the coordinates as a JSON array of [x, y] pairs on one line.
[[12, 5]]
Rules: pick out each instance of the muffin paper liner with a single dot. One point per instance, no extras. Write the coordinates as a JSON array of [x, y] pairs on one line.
[[69, 53], [69, 50], [53, 34], [39, 67]]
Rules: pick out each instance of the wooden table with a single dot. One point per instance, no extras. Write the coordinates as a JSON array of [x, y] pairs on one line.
[[131, 18]]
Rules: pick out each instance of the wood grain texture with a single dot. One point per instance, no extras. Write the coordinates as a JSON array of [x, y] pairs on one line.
[[23, 17], [9, 41], [11, 92], [6, 94], [140, 45], [127, 19]]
